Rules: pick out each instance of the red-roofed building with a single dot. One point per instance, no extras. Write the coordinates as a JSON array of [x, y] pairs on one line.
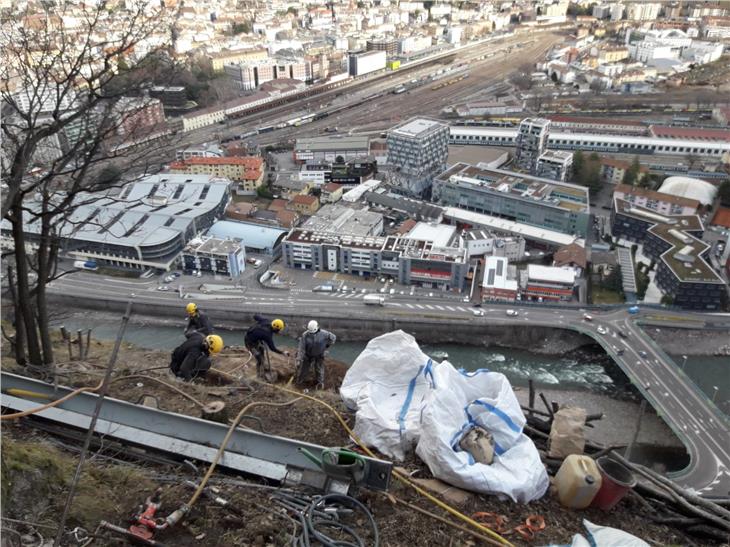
[[304, 204], [721, 218], [331, 192], [277, 205], [690, 133], [248, 172], [287, 219]]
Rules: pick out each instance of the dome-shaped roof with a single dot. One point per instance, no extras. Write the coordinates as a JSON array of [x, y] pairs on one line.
[[688, 187]]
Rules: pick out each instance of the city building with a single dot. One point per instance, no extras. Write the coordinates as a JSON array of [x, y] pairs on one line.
[[571, 256], [555, 165], [331, 193], [218, 256], [145, 226], [362, 63], [659, 202], [480, 242], [217, 61], [247, 173], [388, 45], [171, 96], [548, 283], [522, 198], [690, 188], [349, 173], [255, 238], [643, 11], [250, 75], [330, 148], [304, 204], [698, 142], [203, 150], [410, 261], [138, 117], [417, 151], [531, 142], [614, 171], [345, 221], [683, 273], [500, 280]]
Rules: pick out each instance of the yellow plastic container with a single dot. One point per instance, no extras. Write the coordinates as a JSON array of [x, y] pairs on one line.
[[578, 481]]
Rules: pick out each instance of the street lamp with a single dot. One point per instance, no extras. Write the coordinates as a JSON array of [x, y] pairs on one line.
[[714, 392], [684, 361]]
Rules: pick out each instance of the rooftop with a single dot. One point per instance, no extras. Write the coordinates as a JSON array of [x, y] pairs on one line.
[[417, 127], [517, 185], [684, 257], [653, 195], [213, 245], [690, 133], [253, 162], [496, 274], [254, 236], [344, 221], [440, 234], [570, 254], [304, 199], [332, 143], [550, 274]]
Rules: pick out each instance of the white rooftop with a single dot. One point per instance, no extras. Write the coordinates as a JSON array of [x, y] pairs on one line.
[[439, 234], [495, 274], [550, 274], [417, 127]]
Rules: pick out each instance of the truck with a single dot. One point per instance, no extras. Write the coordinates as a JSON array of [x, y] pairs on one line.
[[634, 310], [86, 265], [373, 300]]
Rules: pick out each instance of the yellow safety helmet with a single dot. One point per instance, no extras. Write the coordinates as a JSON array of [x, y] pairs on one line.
[[215, 342], [277, 325], [191, 308]]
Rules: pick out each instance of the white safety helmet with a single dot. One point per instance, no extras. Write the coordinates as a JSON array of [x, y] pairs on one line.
[[312, 326]]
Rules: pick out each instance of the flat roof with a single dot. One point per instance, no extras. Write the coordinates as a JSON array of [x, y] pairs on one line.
[[333, 143], [551, 274], [417, 127], [518, 185], [214, 245], [343, 220], [440, 234], [534, 233], [627, 190], [474, 153], [496, 274]]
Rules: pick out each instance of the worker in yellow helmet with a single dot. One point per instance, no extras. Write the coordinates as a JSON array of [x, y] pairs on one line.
[[258, 337], [197, 321], [191, 359]]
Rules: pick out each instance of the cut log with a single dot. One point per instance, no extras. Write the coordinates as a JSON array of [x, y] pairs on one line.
[[215, 412]]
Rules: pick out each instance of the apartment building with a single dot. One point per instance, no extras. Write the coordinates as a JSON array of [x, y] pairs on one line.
[[247, 173], [531, 142], [217, 61], [659, 202]]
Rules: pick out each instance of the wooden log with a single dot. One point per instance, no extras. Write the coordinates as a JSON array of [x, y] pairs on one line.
[[88, 343], [64, 333], [547, 406], [531, 387], [80, 338]]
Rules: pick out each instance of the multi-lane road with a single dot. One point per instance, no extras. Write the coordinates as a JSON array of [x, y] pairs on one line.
[[694, 418]]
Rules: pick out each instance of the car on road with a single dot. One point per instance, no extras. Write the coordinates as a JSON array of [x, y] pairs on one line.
[[163, 288], [622, 334], [477, 312], [588, 317], [602, 330], [512, 313], [168, 279], [619, 352], [634, 310], [175, 274], [643, 354], [392, 291]]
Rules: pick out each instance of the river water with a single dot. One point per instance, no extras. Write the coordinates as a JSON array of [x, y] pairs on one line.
[[584, 370]]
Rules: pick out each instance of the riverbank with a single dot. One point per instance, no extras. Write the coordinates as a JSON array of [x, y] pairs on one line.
[[691, 341]]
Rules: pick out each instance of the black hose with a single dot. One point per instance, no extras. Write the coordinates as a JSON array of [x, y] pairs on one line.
[[343, 500]]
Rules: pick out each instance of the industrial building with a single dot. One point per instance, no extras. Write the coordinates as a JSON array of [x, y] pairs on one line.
[[682, 273], [589, 142], [522, 198], [146, 226], [362, 63], [417, 150], [409, 260], [330, 148], [218, 256]]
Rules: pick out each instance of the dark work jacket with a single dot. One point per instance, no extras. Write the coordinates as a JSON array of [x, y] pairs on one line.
[[200, 323], [191, 358], [261, 332]]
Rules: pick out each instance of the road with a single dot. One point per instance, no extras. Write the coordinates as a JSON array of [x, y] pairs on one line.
[[696, 421]]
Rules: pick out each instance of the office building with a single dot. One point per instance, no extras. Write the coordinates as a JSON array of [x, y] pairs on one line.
[[559, 207], [500, 280], [410, 261], [250, 75], [555, 165], [171, 96], [531, 142], [643, 11], [388, 45], [362, 63], [683, 273], [218, 256], [480, 242], [417, 151]]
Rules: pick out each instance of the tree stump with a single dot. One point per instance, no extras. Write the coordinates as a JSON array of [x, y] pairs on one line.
[[215, 412]]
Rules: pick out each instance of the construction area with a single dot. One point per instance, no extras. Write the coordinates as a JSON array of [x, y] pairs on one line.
[[230, 459]]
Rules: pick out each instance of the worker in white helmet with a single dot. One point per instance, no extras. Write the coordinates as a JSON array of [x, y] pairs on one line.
[[312, 347]]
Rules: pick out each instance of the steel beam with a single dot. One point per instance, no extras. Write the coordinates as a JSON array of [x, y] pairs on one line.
[[269, 456]]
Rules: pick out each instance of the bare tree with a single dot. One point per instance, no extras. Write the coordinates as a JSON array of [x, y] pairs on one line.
[[72, 108]]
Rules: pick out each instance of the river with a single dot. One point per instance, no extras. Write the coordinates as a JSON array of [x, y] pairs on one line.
[[583, 370]]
